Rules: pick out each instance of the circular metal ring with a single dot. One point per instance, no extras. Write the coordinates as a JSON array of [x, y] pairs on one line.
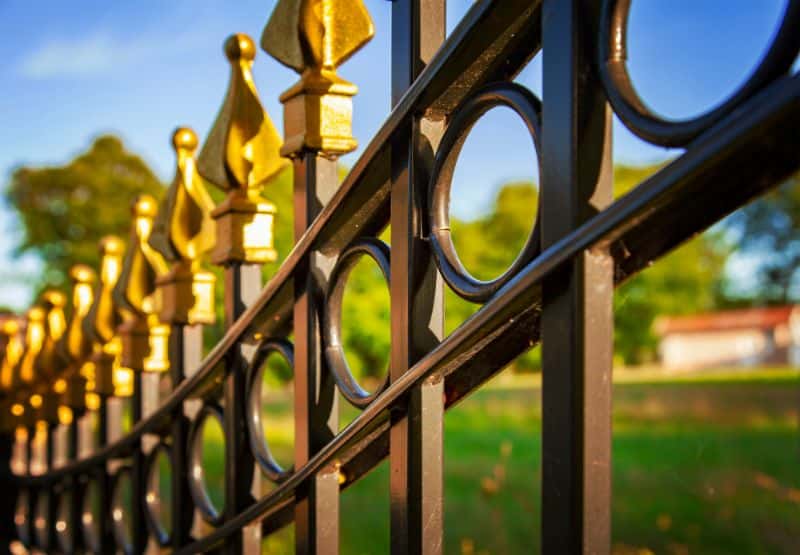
[[528, 108], [21, 521], [89, 525], [119, 510], [152, 498], [646, 124], [63, 529], [197, 474], [332, 324], [40, 519], [255, 428]]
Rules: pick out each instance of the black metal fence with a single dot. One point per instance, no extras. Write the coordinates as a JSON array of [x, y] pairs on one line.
[[558, 292]]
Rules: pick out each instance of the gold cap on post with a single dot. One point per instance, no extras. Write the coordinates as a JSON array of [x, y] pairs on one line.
[[314, 37], [101, 323], [182, 232], [135, 293], [240, 155]]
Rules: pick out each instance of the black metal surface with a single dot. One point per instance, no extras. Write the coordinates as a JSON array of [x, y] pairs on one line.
[[559, 290], [577, 300]]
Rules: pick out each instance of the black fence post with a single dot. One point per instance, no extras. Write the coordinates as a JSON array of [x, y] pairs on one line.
[[577, 321], [416, 437]]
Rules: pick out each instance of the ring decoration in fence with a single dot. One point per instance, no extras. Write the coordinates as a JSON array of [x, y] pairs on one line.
[[139, 321]]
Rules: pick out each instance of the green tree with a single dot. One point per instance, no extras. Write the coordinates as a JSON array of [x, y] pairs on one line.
[[65, 210]]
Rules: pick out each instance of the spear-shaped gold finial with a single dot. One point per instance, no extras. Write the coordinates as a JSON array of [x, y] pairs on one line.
[[241, 154], [49, 364], [144, 338], [75, 346], [314, 37], [34, 339], [182, 232], [101, 323], [12, 353]]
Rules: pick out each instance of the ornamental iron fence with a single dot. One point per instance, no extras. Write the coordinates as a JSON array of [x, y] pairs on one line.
[[128, 344]]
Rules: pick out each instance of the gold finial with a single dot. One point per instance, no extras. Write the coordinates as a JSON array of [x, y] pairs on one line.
[[103, 318], [314, 37], [75, 344], [48, 363], [242, 149], [14, 348], [136, 287], [183, 231], [316, 34], [241, 154], [101, 321], [135, 290], [34, 338]]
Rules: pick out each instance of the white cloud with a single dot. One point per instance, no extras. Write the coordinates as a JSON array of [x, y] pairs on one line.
[[92, 54]]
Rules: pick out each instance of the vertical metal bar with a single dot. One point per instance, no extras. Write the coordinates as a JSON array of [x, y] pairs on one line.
[[185, 352], [74, 485], [577, 324], [103, 482], [242, 285], [10, 487], [138, 486], [416, 439], [316, 412], [52, 492]]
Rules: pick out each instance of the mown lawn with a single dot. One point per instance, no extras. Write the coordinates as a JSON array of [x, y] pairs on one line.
[[700, 465]]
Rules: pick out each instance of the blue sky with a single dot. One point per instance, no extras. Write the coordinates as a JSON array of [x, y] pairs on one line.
[[73, 70]]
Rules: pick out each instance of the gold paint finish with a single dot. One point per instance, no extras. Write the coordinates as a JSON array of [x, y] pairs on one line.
[[135, 293], [240, 155], [76, 345], [34, 339], [15, 347], [102, 320], [182, 232], [49, 363], [314, 37]]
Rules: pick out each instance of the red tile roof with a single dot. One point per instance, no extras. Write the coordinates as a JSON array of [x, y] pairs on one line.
[[761, 318]]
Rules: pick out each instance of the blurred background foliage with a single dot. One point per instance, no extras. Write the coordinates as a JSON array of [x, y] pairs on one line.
[[64, 210]]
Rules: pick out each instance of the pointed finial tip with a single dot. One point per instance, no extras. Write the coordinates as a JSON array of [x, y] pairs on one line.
[[81, 273], [144, 206], [240, 47], [54, 298], [111, 245], [184, 138]]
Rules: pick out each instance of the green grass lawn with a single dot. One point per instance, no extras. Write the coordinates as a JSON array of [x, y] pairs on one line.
[[700, 465]]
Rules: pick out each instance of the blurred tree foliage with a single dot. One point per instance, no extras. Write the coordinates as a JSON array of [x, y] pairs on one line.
[[65, 210], [767, 235]]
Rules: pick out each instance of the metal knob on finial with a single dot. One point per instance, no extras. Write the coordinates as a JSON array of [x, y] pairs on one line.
[[240, 155], [101, 323], [183, 231], [314, 37], [144, 338]]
